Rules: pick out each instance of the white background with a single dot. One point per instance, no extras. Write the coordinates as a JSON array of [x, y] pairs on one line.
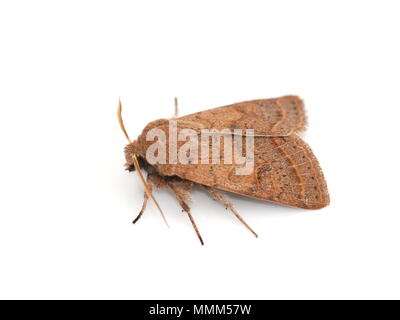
[[67, 204]]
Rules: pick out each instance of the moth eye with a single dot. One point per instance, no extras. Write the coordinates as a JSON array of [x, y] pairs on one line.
[[131, 168]]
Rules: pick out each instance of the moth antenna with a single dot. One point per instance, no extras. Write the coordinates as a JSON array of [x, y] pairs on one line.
[[121, 122], [146, 187], [176, 107]]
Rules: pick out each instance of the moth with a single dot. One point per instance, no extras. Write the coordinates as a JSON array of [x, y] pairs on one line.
[[284, 169]]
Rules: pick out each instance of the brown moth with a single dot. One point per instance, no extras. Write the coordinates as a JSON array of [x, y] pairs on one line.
[[284, 169]]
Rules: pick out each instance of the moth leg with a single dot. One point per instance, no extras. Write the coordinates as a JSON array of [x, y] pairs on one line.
[[181, 190], [216, 195], [145, 199], [186, 208], [176, 108]]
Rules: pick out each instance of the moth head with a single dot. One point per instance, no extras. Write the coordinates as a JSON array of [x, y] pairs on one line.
[[133, 161], [130, 153]]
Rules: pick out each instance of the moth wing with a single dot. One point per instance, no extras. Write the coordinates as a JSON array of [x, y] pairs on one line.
[[285, 171], [275, 117]]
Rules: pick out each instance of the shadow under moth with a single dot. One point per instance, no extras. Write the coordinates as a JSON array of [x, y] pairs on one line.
[[250, 148]]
